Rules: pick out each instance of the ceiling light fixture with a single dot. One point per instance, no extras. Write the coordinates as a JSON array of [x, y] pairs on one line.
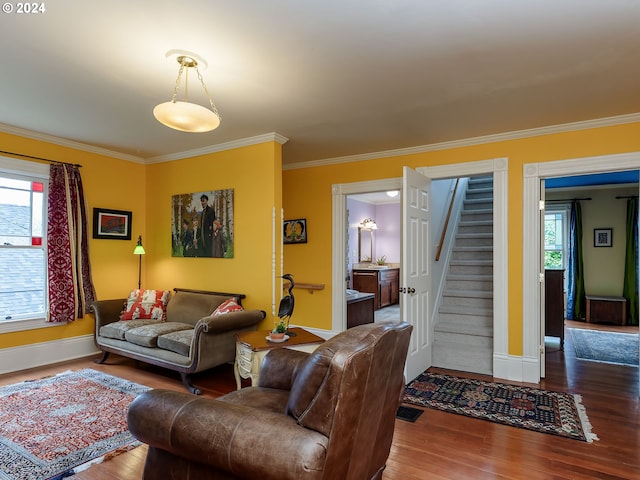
[[392, 193], [183, 115]]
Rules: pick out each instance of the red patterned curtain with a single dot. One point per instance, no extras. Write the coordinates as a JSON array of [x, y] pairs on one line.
[[70, 287]]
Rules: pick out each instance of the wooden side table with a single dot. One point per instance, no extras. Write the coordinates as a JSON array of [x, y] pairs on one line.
[[252, 347]]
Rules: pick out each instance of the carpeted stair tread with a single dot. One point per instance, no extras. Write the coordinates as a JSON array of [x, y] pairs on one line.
[[476, 201], [474, 277], [470, 248], [475, 223], [479, 263], [467, 310], [463, 356], [471, 236], [468, 293], [470, 329]]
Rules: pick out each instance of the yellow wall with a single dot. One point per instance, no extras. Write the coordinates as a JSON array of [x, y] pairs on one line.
[[255, 174], [307, 194]]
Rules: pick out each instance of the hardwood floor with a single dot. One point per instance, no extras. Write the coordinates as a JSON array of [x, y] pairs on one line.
[[447, 446]]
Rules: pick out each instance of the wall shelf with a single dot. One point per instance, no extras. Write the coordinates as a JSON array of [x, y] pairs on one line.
[[308, 286]]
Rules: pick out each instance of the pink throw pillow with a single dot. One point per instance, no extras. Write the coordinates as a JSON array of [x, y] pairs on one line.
[[227, 306]]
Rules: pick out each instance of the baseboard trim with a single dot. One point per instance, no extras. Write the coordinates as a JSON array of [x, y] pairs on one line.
[[14, 359]]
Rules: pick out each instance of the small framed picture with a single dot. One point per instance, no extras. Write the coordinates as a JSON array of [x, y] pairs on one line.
[[295, 231], [602, 237], [111, 224]]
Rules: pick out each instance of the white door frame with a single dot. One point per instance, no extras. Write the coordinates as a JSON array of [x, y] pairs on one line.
[[339, 248], [503, 365], [531, 308]]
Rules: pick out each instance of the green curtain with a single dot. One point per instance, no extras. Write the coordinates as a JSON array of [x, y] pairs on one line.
[[630, 288], [579, 306]]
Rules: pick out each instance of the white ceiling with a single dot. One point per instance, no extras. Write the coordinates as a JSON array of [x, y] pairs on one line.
[[336, 77]]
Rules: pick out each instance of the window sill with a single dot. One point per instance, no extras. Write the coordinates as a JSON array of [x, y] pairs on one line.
[[8, 326]]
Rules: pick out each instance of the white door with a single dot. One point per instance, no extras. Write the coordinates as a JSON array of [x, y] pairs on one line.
[[415, 282], [541, 283]]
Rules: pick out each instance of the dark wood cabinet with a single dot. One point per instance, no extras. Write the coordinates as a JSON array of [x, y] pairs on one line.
[[554, 304], [384, 284], [360, 309], [601, 309]]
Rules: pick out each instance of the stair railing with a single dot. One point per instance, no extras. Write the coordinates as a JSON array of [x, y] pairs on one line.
[[446, 221]]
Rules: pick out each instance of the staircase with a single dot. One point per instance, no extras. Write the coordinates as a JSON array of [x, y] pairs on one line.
[[463, 334]]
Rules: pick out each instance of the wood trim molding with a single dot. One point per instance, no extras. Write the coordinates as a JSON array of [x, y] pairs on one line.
[[13, 359]]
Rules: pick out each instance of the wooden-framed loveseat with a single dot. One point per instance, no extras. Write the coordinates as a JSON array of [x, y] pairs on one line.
[[196, 331]]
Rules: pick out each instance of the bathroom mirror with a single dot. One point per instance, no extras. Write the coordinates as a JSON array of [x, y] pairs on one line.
[[365, 245]]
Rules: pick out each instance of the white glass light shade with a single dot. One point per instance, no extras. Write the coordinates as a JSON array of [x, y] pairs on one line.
[[186, 117], [369, 224]]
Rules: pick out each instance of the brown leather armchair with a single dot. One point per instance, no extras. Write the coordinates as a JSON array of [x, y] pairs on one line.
[[327, 415]]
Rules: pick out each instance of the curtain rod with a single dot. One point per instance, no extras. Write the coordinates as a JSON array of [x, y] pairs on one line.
[[40, 158], [568, 199], [628, 196]]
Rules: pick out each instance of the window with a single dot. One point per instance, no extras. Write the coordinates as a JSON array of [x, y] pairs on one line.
[[555, 237], [23, 283]]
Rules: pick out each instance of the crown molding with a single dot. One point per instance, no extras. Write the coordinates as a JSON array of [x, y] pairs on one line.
[[499, 137], [63, 142], [468, 142], [243, 142]]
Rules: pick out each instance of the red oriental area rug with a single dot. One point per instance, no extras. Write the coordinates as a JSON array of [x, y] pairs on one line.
[[543, 411], [50, 426]]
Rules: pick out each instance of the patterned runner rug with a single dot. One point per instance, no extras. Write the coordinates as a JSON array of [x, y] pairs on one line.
[[543, 411], [50, 426]]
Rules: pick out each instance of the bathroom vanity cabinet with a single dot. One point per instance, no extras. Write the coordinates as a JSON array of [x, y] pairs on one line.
[[383, 283]]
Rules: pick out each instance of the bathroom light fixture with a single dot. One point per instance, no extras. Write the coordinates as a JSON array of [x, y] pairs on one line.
[[139, 250], [183, 115], [368, 224], [392, 193]]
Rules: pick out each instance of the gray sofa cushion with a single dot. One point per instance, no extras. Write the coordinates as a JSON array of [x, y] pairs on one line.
[[178, 342], [147, 335], [117, 330]]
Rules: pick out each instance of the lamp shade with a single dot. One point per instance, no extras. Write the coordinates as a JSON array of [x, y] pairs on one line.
[[139, 250], [186, 116]]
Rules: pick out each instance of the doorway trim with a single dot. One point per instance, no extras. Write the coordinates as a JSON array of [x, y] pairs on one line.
[[499, 168], [339, 242], [531, 308]]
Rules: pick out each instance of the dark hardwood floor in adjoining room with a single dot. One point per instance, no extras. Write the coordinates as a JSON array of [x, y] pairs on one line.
[[448, 446]]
